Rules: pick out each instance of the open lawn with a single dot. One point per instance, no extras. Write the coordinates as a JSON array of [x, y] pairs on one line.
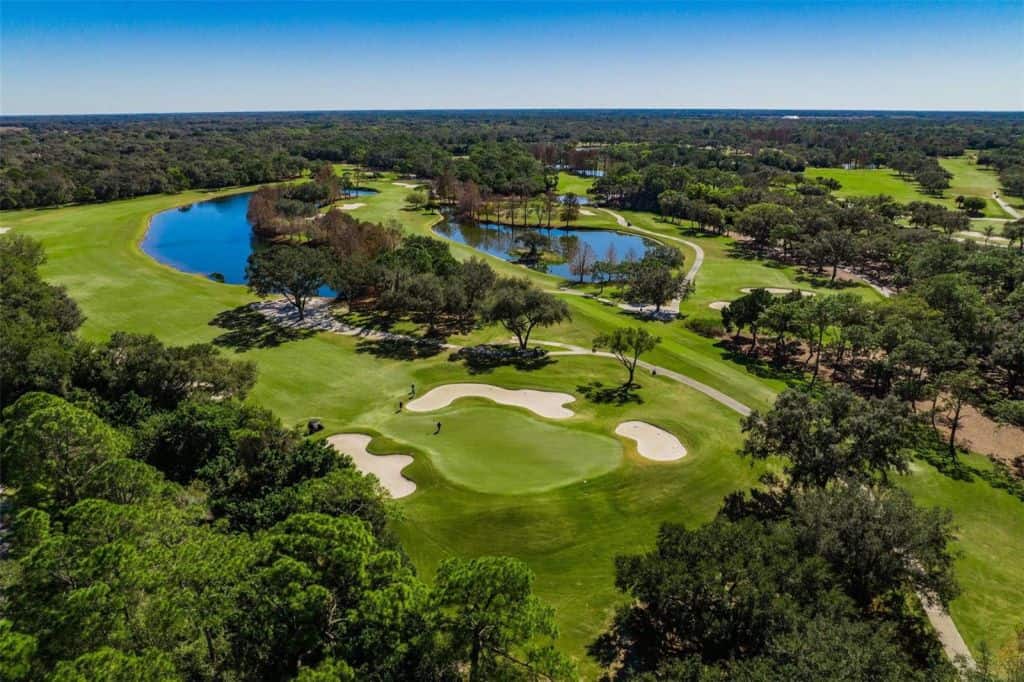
[[564, 496], [569, 182], [968, 180]]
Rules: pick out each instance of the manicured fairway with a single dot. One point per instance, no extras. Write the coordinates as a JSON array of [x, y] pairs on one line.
[[506, 451], [968, 180], [569, 182], [569, 531]]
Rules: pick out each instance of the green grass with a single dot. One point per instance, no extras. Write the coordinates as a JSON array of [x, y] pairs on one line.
[[568, 182], [968, 180], [568, 534], [504, 451], [990, 543]]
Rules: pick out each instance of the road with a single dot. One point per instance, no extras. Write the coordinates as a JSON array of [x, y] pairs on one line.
[[1010, 210]]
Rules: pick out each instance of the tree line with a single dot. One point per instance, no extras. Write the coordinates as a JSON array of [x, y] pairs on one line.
[[55, 160]]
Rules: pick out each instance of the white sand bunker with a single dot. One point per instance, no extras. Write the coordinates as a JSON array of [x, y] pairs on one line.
[[387, 468], [410, 185], [352, 206], [584, 211], [4, 229], [651, 441], [719, 305], [544, 403], [774, 290]]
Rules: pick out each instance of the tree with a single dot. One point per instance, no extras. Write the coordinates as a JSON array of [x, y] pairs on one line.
[[493, 623], [37, 323], [830, 434], [582, 261], [877, 540], [519, 307], [627, 345], [653, 282], [296, 272], [570, 209], [973, 206], [53, 449], [758, 221], [417, 200], [834, 247], [719, 592], [746, 311], [1014, 232], [958, 390]]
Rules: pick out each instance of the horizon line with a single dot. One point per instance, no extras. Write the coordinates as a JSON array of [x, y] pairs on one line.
[[395, 110]]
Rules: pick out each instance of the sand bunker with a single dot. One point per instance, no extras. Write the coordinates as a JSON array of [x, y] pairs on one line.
[[773, 290], [543, 403], [4, 229], [651, 441], [410, 185], [719, 305], [349, 207], [387, 468], [584, 211]]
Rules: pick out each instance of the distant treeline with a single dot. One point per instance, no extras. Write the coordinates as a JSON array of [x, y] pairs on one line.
[[54, 160]]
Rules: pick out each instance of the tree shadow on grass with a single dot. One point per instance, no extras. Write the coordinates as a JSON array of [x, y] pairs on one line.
[[484, 359], [400, 349], [755, 366], [825, 282], [248, 328], [596, 392]]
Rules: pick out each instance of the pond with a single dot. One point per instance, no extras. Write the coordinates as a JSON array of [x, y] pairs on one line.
[[215, 237], [209, 236], [581, 199], [506, 242], [205, 237]]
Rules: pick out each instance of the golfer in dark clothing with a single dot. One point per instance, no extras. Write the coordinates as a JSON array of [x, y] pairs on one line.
[[438, 429], [399, 405]]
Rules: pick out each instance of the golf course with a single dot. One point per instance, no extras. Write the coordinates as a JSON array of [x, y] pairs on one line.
[[544, 477]]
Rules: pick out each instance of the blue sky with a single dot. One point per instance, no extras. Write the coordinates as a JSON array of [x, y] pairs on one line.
[[77, 57]]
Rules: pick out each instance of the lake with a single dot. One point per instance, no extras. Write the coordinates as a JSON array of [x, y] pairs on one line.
[[205, 237], [215, 236], [208, 236], [502, 240]]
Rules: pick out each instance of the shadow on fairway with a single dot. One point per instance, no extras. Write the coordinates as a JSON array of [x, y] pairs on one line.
[[400, 349], [248, 329], [825, 282], [596, 392], [483, 359]]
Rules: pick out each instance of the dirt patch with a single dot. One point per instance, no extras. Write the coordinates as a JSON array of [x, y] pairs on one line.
[[977, 432]]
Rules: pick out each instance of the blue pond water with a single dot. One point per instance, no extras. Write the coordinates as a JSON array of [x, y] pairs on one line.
[[502, 241], [215, 236], [209, 236], [582, 199], [206, 237]]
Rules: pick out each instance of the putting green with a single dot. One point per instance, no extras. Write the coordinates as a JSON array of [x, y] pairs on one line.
[[500, 450]]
